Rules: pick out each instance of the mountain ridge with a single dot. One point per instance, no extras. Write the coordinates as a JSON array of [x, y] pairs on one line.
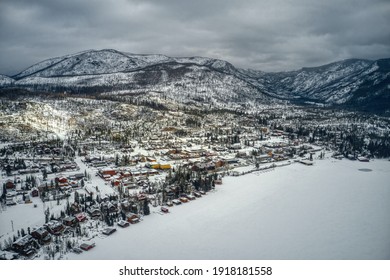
[[348, 82]]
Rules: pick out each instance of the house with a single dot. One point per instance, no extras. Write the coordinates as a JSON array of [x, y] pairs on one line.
[[87, 246], [164, 166], [176, 201], [363, 159], [55, 227], [61, 180], [70, 221], [74, 184], [219, 163], [108, 231], [125, 205], [75, 208], [41, 235], [107, 171], [81, 217], [191, 197], [154, 165], [77, 176], [110, 207], [27, 199], [10, 185], [169, 203], [10, 199], [132, 218], [218, 182], [25, 245], [94, 211], [306, 162], [34, 192], [197, 194], [123, 223], [7, 256]]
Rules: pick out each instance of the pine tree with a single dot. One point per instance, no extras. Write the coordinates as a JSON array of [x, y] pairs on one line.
[[44, 174], [3, 195], [146, 207]]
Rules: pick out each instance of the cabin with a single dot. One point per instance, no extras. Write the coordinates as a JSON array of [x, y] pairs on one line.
[[108, 231], [132, 218], [191, 197], [153, 165], [10, 185], [94, 211], [176, 201], [306, 162], [108, 171], [34, 192], [70, 221], [150, 159], [197, 194], [80, 217], [218, 182], [110, 207], [363, 159], [77, 176], [10, 199], [61, 180], [27, 199], [25, 246], [7, 256], [165, 166], [87, 246], [41, 235], [55, 227], [123, 224], [75, 208]]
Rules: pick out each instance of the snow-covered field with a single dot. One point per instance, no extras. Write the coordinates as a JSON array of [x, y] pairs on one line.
[[331, 210]]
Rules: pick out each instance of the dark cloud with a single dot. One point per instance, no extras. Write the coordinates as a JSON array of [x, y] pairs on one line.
[[269, 35]]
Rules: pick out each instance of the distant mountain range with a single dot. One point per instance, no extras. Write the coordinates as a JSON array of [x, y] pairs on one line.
[[355, 83]]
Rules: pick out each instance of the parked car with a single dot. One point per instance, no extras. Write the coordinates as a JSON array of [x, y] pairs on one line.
[[183, 199], [164, 209]]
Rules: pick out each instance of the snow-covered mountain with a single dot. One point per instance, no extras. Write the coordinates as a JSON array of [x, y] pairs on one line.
[[6, 81], [344, 82], [353, 82]]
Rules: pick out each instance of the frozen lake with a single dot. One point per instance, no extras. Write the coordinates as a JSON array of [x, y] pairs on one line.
[[327, 211]]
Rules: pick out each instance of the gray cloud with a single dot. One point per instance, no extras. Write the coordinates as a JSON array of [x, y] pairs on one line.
[[268, 35]]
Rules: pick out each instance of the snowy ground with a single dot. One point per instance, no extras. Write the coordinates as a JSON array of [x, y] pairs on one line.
[[331, 210]]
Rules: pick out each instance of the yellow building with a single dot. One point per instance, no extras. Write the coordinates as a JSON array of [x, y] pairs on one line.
[[165, 166]]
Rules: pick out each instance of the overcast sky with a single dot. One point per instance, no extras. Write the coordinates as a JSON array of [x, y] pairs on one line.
[[268, 35]]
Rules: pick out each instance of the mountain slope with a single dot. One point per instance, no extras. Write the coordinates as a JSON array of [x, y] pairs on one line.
[[355, 83], [335, 83]]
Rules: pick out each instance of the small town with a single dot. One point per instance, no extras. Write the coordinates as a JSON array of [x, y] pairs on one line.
[[86, 178]]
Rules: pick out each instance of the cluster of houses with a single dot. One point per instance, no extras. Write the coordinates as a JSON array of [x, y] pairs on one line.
[[27, 245]]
